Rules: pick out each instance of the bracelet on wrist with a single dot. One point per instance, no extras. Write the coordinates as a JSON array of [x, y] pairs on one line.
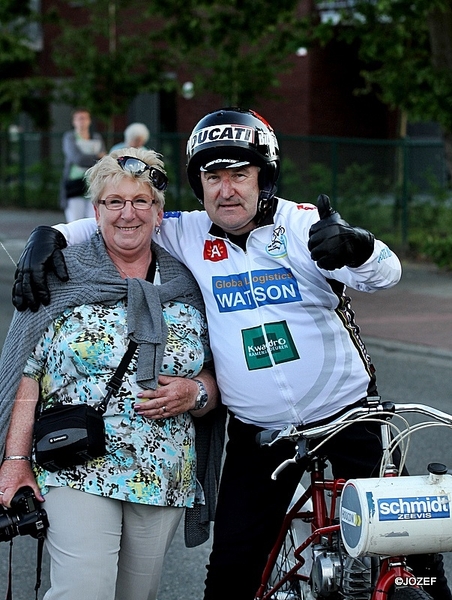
[[17, 457]]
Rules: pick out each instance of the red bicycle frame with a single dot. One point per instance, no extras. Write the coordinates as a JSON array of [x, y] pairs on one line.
[[324, 524]]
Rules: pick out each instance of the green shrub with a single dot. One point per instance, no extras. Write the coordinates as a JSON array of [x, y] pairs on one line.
[[439, 250]]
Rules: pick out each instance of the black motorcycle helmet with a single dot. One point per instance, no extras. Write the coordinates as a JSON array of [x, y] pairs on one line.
[[232, 137]]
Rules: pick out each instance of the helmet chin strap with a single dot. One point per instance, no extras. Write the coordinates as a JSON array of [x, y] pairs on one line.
[[265, 204]]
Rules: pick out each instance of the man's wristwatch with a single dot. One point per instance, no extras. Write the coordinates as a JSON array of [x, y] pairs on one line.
[[202, 397]]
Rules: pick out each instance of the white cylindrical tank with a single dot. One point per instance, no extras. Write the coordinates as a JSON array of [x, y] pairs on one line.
[[397, 515]]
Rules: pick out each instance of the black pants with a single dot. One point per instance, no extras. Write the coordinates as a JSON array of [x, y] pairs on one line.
[[251, 506]]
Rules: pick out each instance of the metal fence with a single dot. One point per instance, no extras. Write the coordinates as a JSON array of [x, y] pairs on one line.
[[378, 184]]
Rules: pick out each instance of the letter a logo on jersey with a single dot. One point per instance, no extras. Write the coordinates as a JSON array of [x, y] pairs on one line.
[[215, 250]]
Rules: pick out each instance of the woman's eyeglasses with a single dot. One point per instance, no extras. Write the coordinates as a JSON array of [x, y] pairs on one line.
[[138, 167], [117, 203]]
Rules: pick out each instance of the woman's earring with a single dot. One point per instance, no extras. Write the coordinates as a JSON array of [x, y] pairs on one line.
[[98, 230], [157, 229]]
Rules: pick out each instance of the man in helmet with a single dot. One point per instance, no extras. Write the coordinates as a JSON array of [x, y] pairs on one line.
[[287, 351]]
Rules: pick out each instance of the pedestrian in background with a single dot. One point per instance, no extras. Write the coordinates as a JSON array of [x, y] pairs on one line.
[[81, 149], [135, 136]]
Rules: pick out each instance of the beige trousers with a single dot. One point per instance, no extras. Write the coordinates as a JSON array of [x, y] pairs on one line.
[[104, 549]]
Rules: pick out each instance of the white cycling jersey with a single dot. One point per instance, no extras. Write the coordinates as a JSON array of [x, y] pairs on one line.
[[284, 342]]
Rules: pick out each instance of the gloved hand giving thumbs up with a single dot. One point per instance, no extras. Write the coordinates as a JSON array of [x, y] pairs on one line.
[[334, 243]]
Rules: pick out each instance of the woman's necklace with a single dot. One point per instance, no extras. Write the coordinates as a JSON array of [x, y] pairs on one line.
[[152, 273], [126, 274]]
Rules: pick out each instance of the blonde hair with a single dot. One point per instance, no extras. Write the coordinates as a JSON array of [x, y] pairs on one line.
[[107, 170]]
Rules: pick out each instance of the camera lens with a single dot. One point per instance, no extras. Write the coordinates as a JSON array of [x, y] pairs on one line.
[[8, 527]]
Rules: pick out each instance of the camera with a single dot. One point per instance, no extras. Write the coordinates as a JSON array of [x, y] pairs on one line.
[[25, 517]]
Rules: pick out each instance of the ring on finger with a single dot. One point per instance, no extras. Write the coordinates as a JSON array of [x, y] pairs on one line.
[[163, 410]]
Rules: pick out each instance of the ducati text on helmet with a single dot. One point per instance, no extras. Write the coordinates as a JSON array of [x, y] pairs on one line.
[[216, 133], [232, 137]]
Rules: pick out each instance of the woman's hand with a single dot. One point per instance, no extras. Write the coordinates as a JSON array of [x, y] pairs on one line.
[[15, 474], [176, 395]]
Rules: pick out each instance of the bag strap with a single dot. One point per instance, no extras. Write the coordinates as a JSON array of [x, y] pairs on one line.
[[116, 380], [9, 591], [39, 553]]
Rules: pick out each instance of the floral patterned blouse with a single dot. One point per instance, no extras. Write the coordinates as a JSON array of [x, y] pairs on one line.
[[147, 461]]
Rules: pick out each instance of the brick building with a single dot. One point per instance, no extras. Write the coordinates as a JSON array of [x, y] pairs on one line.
[[316, 95]]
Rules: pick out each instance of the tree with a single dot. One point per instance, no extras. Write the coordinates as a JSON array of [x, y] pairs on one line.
[[108, 54], [406, 49], [236, 49], [21, 88]]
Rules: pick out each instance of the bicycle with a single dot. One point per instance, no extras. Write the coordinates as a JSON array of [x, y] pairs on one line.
[[343, 539]]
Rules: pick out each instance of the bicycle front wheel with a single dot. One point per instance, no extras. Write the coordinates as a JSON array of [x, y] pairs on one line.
[[293, 588]]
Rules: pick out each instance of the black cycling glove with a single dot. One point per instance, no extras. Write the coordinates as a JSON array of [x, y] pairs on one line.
[[42, 254], [334, 243]]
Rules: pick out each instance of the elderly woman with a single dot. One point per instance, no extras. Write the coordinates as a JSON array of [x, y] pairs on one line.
[[113, 517], [136, 135]]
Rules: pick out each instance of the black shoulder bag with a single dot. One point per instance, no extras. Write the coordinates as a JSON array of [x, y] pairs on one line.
[[71, 434]]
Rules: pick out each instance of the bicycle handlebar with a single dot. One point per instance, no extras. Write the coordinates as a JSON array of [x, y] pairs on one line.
[[373, 410]]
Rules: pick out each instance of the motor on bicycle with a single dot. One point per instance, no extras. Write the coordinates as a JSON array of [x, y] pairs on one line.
[[359, 539]]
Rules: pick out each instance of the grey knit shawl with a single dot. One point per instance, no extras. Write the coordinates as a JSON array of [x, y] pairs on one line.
[[93, 278]]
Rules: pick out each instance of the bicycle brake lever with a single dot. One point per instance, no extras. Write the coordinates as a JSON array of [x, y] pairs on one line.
[[282, 466], [267, 436], [302, 452]]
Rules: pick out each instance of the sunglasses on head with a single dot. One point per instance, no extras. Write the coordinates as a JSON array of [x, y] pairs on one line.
[[138, 167]]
